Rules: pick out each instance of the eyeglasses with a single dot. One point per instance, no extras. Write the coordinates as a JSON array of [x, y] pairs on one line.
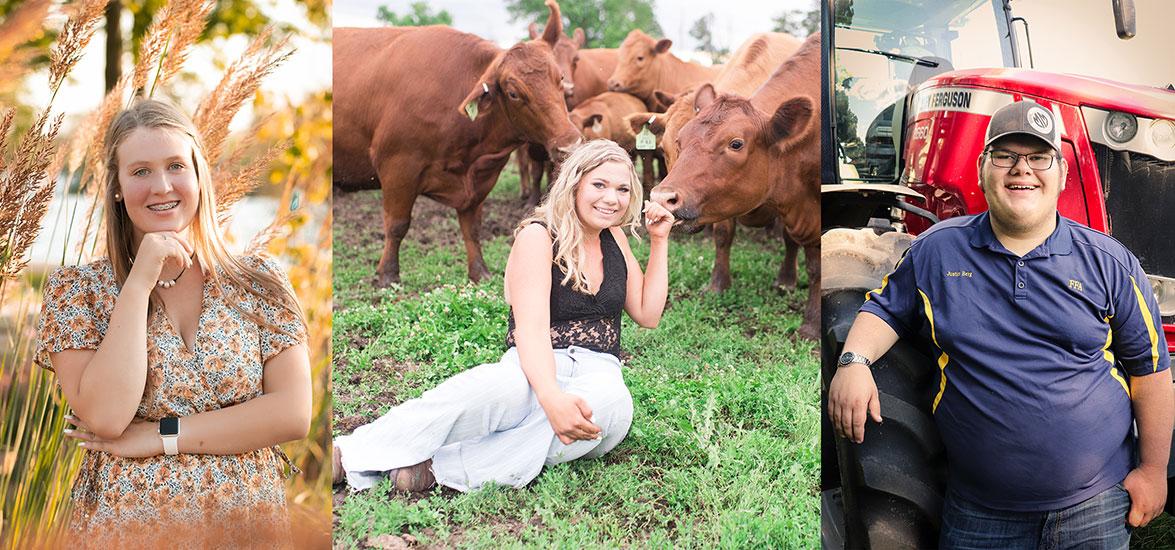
[[1008, 159]]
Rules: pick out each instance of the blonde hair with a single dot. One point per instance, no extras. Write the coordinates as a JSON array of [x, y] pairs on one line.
[[557, 212], [207, 240]]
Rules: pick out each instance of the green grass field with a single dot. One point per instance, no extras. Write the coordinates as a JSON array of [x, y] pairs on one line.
[[724, 446]]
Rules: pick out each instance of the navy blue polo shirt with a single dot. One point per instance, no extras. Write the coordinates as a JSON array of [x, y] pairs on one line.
[[1033, 412]]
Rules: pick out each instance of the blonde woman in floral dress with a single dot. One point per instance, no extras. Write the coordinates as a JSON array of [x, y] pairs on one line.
[[184, 365]]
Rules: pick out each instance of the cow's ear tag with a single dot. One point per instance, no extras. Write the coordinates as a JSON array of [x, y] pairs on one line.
[[597, 127], [471, 109], [645, 140]]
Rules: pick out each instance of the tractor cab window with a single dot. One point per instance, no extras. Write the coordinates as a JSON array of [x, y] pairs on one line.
[[884, 49]]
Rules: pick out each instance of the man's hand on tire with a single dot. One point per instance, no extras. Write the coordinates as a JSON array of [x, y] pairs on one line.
[[851, 395]]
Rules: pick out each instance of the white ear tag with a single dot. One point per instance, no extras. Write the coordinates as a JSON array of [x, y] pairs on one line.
[[645, 140]]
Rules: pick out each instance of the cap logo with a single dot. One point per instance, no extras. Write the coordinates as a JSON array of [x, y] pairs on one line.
[[1040, 120]]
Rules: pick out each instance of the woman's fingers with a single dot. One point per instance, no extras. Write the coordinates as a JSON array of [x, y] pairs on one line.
[[80, 435], [76, 422]]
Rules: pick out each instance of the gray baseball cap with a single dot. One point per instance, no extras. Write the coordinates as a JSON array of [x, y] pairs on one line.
[[1024, 117]]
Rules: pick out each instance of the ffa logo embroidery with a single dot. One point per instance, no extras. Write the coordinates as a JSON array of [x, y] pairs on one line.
[[1075, 285], [1040, 120]]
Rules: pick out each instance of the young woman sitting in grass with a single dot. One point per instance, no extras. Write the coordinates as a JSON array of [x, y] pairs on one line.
[[184, 365], [557, 394]]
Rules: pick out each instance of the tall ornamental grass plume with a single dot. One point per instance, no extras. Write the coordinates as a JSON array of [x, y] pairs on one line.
[[289, 146], [36, 467], [23, 24]]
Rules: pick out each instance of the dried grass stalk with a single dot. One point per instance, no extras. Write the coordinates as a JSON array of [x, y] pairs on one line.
[[23, 24], [91, 134], [176, 27], [74, 37], [239, 83], [280, 228], [232, 187], [24, 197]]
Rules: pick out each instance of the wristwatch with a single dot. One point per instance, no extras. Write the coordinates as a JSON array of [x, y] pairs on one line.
[[848, 358], [169, 431]]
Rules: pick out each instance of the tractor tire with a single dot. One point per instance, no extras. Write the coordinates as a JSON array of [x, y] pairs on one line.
[[891, 485]]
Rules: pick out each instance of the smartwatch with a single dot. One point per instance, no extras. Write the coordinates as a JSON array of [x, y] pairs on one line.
[[848, 358], [169, 431]]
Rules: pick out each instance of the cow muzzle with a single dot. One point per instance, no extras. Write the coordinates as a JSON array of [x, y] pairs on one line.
[[667, 198], [616, 86], [687, 216]]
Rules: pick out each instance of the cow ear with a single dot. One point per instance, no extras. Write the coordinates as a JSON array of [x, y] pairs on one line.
[[554, 28], [657, 126], [665, 100], [636, 121], [789, 121], [593, 122], [533, 29], [579, 38], [704, 97], [663, 45], [479, 100]]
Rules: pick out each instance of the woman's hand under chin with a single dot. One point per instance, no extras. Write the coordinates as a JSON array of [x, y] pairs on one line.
[[157, 250], [139, 440]]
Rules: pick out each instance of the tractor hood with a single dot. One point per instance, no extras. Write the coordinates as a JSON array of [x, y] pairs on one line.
[[1079, 91]]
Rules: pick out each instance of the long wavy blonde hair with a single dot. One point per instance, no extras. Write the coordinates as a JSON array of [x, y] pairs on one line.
[[206, 235], [558, 213]]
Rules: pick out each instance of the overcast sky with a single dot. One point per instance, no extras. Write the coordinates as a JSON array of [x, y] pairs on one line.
[[733, 21]]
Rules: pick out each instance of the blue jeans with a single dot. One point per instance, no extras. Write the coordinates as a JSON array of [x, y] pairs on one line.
[[1097, 523]]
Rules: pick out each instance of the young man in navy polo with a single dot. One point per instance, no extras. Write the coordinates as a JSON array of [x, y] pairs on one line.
[[1049, 346]]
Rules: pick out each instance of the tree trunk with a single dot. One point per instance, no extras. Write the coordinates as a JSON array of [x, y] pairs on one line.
[[113, 43]]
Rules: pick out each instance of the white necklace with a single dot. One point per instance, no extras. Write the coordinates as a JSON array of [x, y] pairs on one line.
[[168, 283]]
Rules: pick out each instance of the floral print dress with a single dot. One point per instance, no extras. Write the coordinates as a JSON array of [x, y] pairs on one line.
[[185, 499]]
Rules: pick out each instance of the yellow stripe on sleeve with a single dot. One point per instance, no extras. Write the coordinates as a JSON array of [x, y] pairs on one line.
[[1150, 325], [942, 359], [1109, 355], [884, 281]]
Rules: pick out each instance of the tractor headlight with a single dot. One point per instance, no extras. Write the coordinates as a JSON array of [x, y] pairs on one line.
[[1164, 289], [1121, 127], [1163, 134]]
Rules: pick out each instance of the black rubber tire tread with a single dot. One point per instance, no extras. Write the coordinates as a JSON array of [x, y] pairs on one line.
[[832, 520], [891, 486]]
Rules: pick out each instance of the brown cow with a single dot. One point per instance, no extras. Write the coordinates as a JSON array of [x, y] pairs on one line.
[[750, 65], [646, 65], [748, 68], [734, 158], [603, 117], [590, 70], [436, 112]]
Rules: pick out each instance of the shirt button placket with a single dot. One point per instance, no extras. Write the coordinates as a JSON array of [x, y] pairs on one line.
[[1021, 276]]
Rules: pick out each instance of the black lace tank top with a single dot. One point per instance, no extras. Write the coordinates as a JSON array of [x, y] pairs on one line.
[[587, 320]]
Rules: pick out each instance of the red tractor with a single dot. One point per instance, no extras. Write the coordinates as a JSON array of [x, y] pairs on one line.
[[908, 98]]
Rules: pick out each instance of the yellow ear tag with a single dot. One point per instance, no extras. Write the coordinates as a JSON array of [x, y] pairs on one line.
[[645, 140], [471, 109]]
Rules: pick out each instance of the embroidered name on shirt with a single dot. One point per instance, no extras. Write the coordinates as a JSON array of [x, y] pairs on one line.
[[1075, 285], [958, 274]]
